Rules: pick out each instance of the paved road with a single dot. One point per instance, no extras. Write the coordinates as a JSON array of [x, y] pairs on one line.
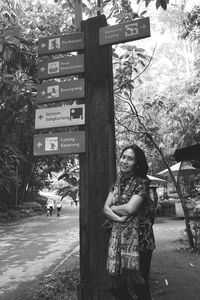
[[36, 245]]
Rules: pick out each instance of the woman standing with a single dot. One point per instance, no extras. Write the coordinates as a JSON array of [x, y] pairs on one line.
[[131, 244]]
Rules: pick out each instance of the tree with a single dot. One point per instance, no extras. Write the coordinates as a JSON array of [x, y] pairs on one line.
[[145, 115], [150, 129], [16, 104], [22, 23], [190, 31], [20, 27]]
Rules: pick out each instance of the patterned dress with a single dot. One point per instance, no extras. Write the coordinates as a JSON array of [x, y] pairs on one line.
[[134, 235]]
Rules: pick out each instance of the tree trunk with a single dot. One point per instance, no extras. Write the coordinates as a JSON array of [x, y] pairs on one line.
[[182, 200]]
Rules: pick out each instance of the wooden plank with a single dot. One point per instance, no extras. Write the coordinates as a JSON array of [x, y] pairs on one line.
[[78, 13]]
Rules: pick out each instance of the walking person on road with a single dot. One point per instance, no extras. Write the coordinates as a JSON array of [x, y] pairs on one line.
[[50, 207], [130, 210], [58, 206]]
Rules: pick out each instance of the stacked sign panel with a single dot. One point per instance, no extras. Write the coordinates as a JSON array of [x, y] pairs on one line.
[[59, 67], [69, 115], [60, 91], [57, 91], [59, 143], [124, 32], [61, 44]]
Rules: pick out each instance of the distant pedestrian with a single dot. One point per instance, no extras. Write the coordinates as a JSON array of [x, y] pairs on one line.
[[50, 207], [58, 206]]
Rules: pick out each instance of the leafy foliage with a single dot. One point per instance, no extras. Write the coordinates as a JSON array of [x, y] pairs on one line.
[[159, 105], [15, 104], [191, 25], [20, 27], [21, 24], [71, 177], [191, 31]]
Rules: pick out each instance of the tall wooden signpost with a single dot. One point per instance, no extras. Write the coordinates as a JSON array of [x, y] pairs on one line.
[[96, 144], [98, 163]]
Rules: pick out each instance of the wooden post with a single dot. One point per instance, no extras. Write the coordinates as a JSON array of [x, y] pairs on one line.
[[78, 13], [97, 165], [99, 7]]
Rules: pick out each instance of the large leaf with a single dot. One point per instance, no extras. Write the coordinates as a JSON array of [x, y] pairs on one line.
[[158, 3], [163, 4]]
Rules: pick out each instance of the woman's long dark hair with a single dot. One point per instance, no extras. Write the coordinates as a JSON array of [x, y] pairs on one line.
[[141, 161]]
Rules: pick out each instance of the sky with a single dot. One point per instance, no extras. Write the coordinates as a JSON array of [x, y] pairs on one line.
[[191, 3]]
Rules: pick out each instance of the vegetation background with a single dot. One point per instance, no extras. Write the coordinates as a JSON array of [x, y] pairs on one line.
[[156, 87]]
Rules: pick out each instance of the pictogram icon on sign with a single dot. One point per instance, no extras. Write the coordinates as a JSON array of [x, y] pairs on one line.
[[53, 91], [53, 67], [76, 113], [54, 44], [51, 144], [131, 29]]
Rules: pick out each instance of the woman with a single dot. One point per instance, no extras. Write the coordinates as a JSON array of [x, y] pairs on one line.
[[132, 241]]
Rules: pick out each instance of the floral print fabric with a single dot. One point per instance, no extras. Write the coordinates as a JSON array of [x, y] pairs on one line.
[[134, 235]]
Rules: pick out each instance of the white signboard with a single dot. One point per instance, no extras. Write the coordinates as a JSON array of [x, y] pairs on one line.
[[69, 115]]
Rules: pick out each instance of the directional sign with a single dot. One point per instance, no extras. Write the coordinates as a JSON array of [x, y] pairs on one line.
[[59, 91], [61, 43], [69, 115], [59, 143], [61, 66], [129, 31]]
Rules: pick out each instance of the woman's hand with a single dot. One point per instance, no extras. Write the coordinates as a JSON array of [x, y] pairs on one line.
[[129, 208], [123, 219], [113, 207], [109, 210]]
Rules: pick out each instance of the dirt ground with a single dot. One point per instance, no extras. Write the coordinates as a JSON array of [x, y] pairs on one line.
[[174, 273]]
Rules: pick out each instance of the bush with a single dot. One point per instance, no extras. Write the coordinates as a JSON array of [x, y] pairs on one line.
[[34, 206]]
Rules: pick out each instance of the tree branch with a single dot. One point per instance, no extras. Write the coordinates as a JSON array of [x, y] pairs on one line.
[[147, 64], [111, 12], [70, 4], [150, 60]]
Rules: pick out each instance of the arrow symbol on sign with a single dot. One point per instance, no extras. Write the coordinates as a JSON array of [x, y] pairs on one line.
[[40, 117], [39, 145], [43, 93], [42, 69], [43, 45]]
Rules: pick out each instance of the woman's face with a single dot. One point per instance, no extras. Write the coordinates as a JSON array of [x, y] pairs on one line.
[[127, 161]]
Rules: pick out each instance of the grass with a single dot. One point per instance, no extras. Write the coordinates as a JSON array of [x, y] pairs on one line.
[[59, 286]]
